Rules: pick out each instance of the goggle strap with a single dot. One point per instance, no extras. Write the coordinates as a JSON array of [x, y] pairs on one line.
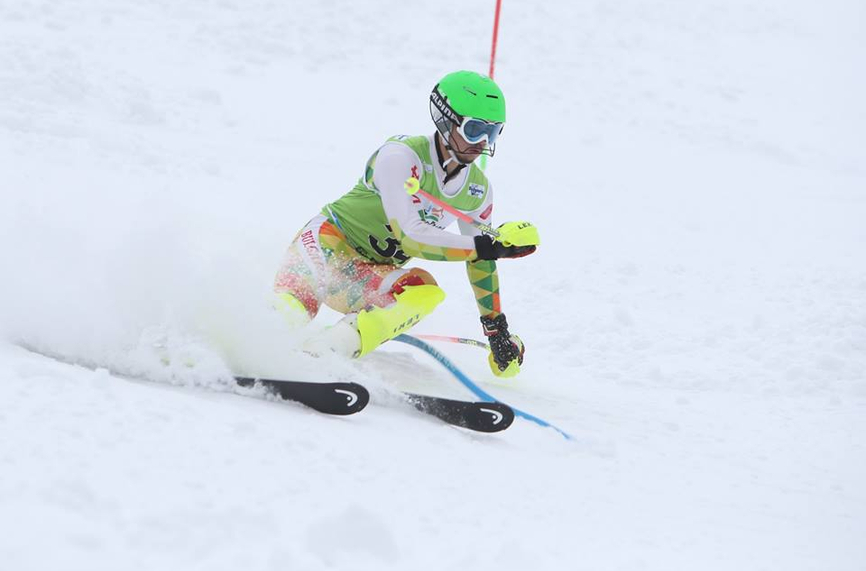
[[443, 107]]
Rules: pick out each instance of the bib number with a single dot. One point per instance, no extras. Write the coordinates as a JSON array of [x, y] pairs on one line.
[[391, 249]]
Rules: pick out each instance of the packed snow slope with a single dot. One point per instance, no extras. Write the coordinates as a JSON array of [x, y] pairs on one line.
[[695, 317]]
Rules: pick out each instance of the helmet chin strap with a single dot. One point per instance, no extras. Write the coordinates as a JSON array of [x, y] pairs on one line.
[[452, 158]]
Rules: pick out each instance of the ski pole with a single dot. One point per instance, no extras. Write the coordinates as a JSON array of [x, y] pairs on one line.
[[413, 187], [469, 384], [450, 339], [509, 234]]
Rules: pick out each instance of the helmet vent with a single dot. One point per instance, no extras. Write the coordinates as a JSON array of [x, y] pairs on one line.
[[493, 96]]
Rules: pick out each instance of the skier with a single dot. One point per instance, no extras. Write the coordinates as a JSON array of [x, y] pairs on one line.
[[351, 255]]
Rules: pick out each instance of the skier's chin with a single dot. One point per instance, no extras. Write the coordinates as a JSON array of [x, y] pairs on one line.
[[468, 156]]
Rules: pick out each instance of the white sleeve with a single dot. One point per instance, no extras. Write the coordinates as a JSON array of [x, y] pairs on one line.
[[394, 164]]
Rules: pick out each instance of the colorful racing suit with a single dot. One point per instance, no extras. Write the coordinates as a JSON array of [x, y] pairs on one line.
[[352, 255]]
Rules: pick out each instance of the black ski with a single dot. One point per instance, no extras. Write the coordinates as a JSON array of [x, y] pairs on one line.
[[329, 398], [480, 416], [349, 398]]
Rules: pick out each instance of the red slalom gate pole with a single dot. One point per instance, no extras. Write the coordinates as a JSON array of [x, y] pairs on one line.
[[495, 37], [493, 60]]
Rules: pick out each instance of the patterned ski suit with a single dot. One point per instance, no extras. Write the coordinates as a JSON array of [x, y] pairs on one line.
[[352, 254]]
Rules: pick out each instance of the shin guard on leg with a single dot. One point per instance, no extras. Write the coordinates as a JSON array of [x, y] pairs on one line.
[[381, 324]]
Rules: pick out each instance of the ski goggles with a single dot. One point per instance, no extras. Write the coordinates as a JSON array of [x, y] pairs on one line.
[[476, 130]]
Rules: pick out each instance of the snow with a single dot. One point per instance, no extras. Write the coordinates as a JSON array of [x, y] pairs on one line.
[[695, 317]]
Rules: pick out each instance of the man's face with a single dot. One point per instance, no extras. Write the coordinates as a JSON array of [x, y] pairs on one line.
[[466, 152]]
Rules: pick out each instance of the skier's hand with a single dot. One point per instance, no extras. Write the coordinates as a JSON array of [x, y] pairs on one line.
[[518, 234], [514, 240], [506, 350], [490, 249]]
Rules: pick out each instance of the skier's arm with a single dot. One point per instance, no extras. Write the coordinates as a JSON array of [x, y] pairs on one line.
[[394, 164], [482, 275], [506, 350], [485, 286]]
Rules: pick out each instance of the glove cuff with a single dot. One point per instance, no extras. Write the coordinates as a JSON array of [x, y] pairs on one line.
[[484, 247], [494, 325]]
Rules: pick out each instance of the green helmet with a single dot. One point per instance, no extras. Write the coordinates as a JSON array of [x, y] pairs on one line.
[[464, 95]]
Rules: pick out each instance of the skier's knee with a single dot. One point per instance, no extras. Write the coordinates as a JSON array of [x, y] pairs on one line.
[[413, 277]]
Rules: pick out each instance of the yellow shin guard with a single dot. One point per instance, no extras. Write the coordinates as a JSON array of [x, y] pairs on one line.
[[381, 324]]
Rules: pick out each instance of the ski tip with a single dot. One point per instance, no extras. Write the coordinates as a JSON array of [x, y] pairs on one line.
[[330, 398], [356, 397], [478, 416], [498, 416]]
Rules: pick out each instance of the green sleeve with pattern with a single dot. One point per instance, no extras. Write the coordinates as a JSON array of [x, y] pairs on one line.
[[485, 286], [416, 249]]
